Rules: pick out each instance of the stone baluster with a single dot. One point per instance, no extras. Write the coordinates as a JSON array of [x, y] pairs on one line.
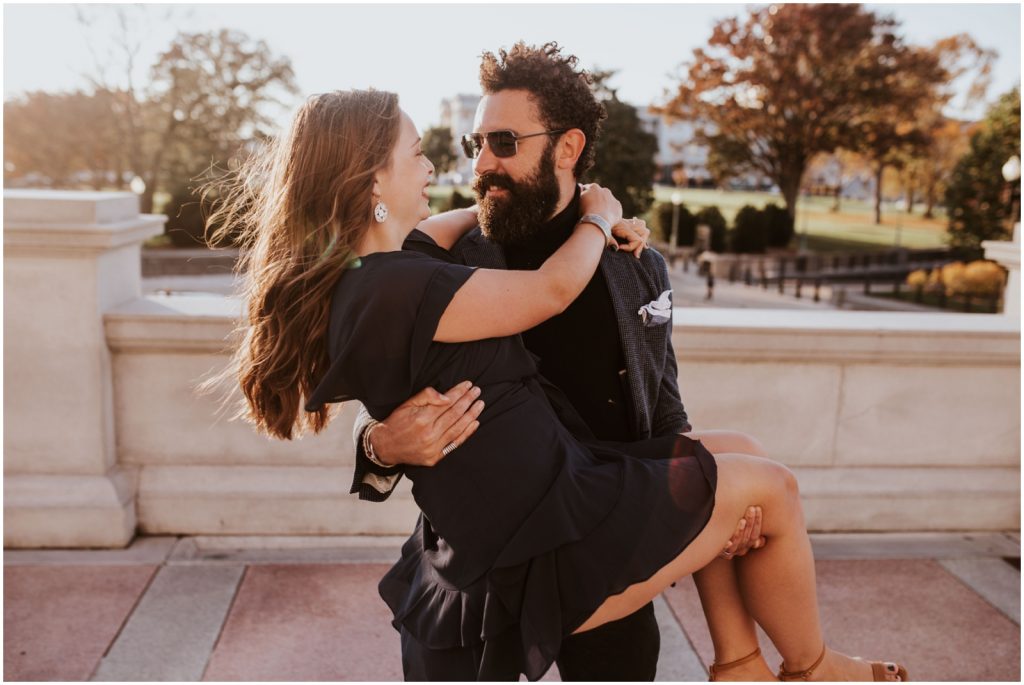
[[1007, 254], [68, 258]]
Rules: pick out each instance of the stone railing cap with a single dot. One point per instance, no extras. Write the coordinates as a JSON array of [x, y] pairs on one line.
[[844, 321], [1004, 252], [68, 207]]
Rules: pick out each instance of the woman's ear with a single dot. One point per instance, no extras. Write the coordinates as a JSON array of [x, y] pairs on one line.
[[569, 148]]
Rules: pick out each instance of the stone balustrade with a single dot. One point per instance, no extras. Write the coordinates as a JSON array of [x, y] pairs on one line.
[[69, 257], [1007, 254], [892, 421]]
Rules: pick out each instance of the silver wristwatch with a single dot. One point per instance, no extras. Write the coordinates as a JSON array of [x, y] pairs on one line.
[[601, 223]]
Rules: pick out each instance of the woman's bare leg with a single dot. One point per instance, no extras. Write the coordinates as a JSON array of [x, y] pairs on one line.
[[732, 629], [778, 581]]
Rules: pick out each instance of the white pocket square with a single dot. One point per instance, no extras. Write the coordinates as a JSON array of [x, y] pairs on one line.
[[658, 311]]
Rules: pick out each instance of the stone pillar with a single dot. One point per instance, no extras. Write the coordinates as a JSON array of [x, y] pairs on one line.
[[1007, 254], [68, 257]]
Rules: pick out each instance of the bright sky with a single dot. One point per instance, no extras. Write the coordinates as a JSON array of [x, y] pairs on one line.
[[428, 52]]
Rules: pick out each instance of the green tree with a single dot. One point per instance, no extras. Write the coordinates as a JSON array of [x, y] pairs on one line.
[[977, 197], [772, 90], [625, 152], [439, 147], [888, 138], [211, 95], [962, 59], [949, 142], [908, 127], [45, 140]]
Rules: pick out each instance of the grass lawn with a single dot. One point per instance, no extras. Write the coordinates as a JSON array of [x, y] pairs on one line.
[[851, 229]]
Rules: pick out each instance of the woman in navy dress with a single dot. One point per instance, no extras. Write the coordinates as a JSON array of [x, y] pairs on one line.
[[528, 534]]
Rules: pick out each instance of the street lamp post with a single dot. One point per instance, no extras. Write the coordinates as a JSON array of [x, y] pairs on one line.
[[802, 246], [677, 199]]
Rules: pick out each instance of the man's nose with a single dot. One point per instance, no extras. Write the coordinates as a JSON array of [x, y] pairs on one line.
[[485, 161]]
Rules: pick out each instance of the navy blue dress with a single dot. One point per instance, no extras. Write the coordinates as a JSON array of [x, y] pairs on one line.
[[525, 530]]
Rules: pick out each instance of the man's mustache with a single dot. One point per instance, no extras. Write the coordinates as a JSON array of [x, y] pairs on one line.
[[492, 180]]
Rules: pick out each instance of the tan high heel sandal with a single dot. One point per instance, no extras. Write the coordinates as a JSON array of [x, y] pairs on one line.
[[716, 669], [879, 670]]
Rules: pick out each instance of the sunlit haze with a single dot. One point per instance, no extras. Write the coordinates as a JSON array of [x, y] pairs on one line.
[[429, 52]]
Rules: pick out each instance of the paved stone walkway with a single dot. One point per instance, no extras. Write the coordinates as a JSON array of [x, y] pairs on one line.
[[297, 609], [689, 290]]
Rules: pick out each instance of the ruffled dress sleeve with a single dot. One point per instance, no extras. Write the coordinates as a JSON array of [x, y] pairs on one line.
[[384, 314]]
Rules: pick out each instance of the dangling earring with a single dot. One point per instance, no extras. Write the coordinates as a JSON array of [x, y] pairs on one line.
[[380, 212]]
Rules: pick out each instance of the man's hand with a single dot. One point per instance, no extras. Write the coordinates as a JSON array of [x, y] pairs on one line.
[[747, 535], [424, 424]]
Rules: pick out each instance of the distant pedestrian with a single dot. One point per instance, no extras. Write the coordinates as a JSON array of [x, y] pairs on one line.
[[711, 284]]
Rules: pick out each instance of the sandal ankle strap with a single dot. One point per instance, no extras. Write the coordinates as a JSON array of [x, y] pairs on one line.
[[801, 675], [718, 668]]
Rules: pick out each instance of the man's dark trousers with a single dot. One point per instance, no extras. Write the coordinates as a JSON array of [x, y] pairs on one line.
[[597, 654], [594, 655]]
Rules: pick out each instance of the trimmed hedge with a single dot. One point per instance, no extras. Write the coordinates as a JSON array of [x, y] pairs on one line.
[[457, 201], [780, 225], [749, 232], [712, 217], [755, 229], [687, 224]]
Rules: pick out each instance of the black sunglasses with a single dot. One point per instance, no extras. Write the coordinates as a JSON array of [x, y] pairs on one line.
[[502, 143]]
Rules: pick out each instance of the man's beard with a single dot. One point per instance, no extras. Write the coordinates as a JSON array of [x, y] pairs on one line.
[[516, 217]]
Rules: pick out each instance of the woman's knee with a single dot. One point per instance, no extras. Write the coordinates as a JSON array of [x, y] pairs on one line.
[[788, 481], [760, 480], [747, 444]]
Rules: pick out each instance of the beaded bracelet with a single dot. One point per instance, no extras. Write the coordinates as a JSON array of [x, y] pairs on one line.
[[368, 448]]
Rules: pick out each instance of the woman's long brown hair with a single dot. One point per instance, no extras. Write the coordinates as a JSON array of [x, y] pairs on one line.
[[299, 208]]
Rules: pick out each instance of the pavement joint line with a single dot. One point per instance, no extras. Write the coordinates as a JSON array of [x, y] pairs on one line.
[[187, 550], [170, 633], [124, 621], [689, 641], [975, 560], [923, 545], [143, 551], [220, 630], [678, 660], [993, 580]]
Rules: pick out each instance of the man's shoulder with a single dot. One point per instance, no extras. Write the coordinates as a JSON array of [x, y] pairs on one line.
[[474, 247], [651, 263], [653, 260], [475, 236]]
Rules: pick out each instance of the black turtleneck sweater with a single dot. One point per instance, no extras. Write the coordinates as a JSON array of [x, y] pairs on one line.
[[579, 350]]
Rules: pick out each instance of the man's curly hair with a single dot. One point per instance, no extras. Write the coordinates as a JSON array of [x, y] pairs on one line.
[[562, 94]]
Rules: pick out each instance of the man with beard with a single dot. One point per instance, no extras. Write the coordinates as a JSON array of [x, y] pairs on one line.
[[609, 355]]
